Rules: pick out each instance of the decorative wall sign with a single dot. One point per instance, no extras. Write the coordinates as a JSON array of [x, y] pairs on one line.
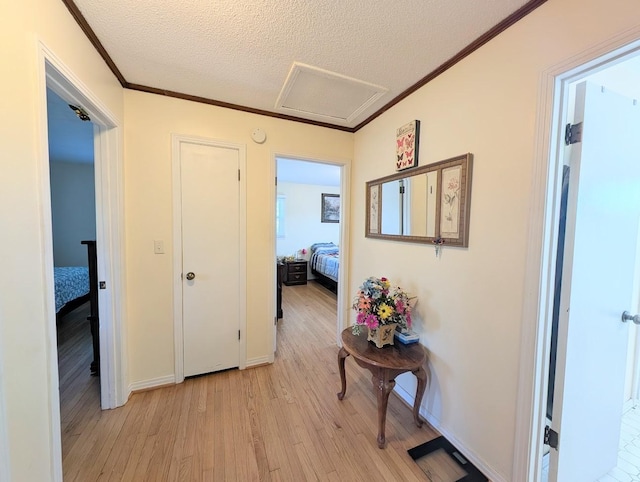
[[407, 144]]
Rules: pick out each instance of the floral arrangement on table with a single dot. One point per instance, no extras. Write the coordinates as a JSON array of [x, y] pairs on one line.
[[378, 303]]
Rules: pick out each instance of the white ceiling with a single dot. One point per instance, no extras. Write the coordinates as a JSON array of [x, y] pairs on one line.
[[305, 172], [242, 52], [348, 46]]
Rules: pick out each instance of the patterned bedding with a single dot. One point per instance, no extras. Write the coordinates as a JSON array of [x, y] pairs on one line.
[[71, 282], [325, 258]]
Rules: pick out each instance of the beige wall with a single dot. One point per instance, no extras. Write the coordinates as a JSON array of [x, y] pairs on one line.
[[471, 300], [23, 332], [150, 120]]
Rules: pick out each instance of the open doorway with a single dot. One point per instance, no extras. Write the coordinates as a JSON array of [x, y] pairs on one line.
[[592, 382], [309, 230], [73, 210], [54, 75]]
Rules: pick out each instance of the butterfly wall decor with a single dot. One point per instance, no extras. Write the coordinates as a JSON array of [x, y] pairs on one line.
[[407, 142]]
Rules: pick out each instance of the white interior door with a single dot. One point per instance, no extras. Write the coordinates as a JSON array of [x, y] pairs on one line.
[[598, 277], [210, 203]]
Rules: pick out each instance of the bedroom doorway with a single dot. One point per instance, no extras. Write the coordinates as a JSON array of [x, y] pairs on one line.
[[73, 210], [311, 209], [107, 150]]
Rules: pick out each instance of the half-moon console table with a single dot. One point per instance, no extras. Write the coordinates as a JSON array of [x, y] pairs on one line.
[[385, 364]]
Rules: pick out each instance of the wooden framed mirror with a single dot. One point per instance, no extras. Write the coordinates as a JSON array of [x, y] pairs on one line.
[[428, 204]]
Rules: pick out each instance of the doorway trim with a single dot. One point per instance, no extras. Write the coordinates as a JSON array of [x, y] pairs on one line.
[[5, 464], [343, 278], [541, 250], [53, 73], [176, 140]]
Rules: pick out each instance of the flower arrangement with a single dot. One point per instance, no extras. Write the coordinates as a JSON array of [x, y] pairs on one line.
[[378, 303]]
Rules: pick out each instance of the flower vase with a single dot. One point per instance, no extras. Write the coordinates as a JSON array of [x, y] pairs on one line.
[[383, 335]]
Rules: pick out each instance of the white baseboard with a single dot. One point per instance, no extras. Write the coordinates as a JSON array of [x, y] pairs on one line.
[[171, 379], [261, 360], [152, 383], [435, 423]]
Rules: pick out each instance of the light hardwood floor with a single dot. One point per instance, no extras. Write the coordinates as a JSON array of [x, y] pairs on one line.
[[281, 422]]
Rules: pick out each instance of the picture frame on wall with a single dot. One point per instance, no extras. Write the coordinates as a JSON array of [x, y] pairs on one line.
[[454, 188], [407, 145], [330, 212]]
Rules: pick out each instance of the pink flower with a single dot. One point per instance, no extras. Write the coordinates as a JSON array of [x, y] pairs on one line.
[[304, 251], [371, 321]]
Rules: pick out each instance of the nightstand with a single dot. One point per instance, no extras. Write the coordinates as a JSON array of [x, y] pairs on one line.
[[295, 272]]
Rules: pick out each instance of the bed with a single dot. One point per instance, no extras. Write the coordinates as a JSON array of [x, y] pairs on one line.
[[74, 286], [71, 288], [325, 264]]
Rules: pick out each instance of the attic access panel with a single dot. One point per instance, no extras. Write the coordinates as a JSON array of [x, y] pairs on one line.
[[325, 95], [442, 462]]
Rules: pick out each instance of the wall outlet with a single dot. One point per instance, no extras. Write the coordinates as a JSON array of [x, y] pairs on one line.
[[158, 246]]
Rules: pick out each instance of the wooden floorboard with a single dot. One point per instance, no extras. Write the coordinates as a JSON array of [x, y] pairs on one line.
[[280, 422]]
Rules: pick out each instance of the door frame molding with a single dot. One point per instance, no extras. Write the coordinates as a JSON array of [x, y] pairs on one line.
[[343, 274], [541, 249], [5, 462], [108, 164], [176, 141]]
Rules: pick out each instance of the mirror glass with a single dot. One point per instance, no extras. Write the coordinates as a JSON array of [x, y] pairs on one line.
[[404, 206], [408, 205]]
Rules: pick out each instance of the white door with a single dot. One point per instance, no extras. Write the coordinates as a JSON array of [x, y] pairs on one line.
[[598, 276], [210, 204]]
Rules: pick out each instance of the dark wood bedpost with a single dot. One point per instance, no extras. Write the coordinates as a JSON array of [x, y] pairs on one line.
[[93, 303]]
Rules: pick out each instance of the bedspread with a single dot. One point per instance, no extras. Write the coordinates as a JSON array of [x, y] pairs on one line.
[[325, 258], [71, 282]]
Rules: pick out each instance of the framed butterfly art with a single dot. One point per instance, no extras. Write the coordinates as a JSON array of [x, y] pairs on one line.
[[407, 143]]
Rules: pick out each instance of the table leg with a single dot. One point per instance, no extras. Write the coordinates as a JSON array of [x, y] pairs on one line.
[[384, 387], [342, 355], [421, 375]]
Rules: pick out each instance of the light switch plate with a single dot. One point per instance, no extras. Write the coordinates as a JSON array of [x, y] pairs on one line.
[[158, 246]]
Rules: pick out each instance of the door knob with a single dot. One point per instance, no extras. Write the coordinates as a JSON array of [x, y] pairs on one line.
[[626, 316], [190, 275]]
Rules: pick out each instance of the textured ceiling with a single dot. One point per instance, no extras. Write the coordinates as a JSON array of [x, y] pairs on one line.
[[241, 52]]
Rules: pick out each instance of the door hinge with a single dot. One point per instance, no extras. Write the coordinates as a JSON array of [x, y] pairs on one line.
[[238, 174], [238, 334], [550, 437], [573, 133]]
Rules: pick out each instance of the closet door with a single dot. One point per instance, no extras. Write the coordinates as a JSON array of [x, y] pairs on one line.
[[210, 211]]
